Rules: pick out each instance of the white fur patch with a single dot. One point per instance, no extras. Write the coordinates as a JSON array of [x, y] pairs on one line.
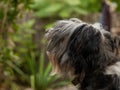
[[113, 69], [97, 26], [64, 58]]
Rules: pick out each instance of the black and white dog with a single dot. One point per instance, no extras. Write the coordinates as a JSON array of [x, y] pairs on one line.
[[85, 53]]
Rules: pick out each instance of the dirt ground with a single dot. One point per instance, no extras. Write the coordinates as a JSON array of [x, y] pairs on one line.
[[70, 87]]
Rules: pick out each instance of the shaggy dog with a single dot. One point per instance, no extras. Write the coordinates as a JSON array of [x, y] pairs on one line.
[[85, 53]]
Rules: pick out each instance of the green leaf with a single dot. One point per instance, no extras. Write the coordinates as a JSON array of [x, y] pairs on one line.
[[80, 11], [72, 2], [32, 79], [41, 67], [49, 10], [47, 71], [65, 13]]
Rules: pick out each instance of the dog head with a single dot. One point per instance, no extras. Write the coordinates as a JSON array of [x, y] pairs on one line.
[[71, 41]]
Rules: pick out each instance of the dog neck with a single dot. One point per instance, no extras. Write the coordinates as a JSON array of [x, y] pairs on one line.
[[106, 59]]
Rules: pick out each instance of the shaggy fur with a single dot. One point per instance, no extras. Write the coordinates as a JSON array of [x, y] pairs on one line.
[[85, 53]]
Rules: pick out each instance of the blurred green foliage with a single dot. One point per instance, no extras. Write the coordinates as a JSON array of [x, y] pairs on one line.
[[64, 8], [67, 8], [42, 79], [21, 62]]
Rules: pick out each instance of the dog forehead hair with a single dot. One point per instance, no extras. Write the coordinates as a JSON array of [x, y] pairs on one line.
[[61, 33]]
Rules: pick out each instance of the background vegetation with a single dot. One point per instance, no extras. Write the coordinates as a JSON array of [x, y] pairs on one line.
[[23, 63]]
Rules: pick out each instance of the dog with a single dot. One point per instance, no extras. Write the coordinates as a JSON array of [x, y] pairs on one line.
[[86, 53]]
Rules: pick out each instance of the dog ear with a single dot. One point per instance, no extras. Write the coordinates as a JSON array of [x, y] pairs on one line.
[[85, 39]]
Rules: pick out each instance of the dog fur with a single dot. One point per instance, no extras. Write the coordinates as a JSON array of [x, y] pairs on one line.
[[85, 53]]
